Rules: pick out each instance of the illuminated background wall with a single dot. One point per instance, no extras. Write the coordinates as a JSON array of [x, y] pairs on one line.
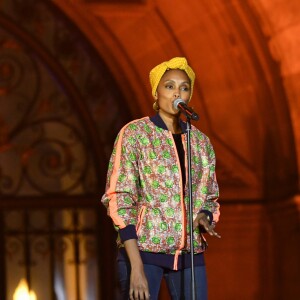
[[73, 72]]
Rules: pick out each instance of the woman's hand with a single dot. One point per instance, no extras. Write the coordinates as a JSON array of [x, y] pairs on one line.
[[138, 289], [203, 220], [138, 285]]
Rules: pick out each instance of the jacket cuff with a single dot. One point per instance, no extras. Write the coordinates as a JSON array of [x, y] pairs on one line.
[[128, 233]]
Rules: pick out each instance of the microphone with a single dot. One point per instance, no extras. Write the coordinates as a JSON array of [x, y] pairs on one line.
[[179, 104]]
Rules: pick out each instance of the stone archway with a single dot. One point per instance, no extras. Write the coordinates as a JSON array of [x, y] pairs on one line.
[[60, 112]]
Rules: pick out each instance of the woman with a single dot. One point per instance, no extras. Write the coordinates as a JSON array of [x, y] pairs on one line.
[[147, 188]]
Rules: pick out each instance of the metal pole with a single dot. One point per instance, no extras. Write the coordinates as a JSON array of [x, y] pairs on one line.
[[193, 292]]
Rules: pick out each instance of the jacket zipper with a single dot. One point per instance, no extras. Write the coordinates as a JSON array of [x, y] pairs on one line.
[[183, 210]]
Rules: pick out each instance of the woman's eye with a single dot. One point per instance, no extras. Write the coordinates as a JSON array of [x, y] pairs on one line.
[[185, 88], [169, 86]]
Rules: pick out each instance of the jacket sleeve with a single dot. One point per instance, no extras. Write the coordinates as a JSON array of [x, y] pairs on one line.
[[122, 185], [211, 190]]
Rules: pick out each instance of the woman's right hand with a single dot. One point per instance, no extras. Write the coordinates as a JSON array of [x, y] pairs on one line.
[[138, 285], [138, 289]]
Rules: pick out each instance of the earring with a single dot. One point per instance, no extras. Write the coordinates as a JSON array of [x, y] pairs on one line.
[[156, 106]]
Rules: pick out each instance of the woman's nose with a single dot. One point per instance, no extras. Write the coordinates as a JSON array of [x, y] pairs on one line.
[[176, 94]]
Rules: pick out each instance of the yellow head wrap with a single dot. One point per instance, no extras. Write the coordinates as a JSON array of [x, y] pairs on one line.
[[175, 63]]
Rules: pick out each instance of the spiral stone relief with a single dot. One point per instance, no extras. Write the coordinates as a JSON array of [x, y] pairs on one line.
[[56, 96], [56, 161]]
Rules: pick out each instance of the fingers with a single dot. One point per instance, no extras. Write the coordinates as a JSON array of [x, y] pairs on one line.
[[139, 291], [139, 294], [138, 286], [209, 228], [211, 231]]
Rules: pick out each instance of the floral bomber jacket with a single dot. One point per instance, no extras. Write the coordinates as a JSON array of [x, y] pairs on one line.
[[145, 187]]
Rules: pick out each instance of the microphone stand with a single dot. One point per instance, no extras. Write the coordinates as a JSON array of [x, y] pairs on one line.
[[188, 122]]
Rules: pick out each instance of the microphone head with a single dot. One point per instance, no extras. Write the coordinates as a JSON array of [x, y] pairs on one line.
[[176, 103]]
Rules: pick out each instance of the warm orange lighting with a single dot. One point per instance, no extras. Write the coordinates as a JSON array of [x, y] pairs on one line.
[[22, 292]]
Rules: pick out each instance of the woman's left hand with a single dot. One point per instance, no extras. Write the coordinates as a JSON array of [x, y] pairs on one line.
[[203, 220]]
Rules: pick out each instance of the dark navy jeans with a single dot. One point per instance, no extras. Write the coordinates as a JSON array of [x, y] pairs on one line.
[[178, 282]]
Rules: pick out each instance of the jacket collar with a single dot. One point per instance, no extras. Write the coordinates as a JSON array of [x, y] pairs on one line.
[[158, 121]]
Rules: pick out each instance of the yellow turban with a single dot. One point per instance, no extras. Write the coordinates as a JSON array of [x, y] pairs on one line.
[[175, 63]]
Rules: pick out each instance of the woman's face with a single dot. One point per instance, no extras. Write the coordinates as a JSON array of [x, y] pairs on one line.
[[173, 84]]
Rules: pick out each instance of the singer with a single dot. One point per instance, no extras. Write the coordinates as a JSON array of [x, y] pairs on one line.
[[147, 197]]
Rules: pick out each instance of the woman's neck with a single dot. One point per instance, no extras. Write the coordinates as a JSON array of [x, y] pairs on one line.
[[172, 123]]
